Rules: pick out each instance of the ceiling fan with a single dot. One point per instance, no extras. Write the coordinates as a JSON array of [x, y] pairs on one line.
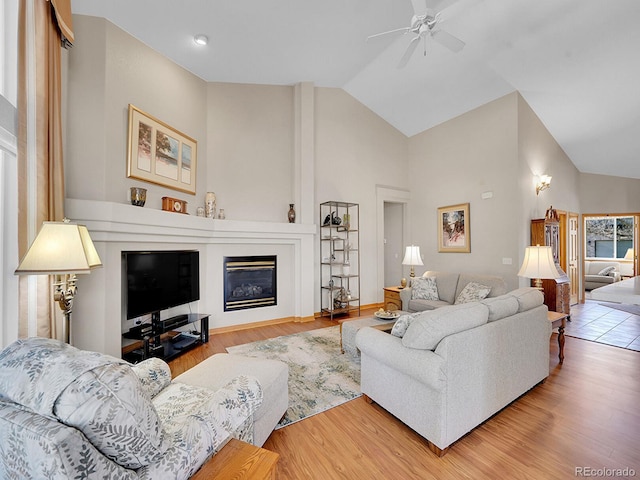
[[424, 24]]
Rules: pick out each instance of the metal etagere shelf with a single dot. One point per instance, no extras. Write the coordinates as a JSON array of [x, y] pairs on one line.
[[339, 258]]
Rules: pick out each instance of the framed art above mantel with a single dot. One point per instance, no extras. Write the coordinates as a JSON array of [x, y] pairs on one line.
[[453, 229], [158, 153]]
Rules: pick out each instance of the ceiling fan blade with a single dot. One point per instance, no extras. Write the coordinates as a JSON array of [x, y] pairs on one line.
[[447, 40], [404, 29], [419, 7], [409, 51], [443, 5]]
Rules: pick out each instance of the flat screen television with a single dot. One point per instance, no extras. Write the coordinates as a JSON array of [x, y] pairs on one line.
[[158, 280]]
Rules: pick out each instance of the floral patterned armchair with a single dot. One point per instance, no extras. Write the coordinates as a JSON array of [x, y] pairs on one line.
[[68, 413]]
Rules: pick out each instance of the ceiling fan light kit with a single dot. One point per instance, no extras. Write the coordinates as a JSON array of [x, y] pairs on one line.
[[200, 39], [423, 24]]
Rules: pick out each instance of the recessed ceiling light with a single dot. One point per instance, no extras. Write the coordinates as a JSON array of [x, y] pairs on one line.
[[201, 39]]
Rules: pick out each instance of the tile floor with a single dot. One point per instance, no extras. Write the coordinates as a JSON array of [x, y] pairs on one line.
[[599, 323]]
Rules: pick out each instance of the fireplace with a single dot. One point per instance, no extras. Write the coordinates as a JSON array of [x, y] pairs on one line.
[[250, 282]]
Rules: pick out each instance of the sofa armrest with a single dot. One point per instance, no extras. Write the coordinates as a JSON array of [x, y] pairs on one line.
[[424, 366], [154, 374], [405, 296]]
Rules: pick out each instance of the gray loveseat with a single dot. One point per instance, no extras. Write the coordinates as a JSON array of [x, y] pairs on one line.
[[599, 274], [449, 288], [456, 366], [67, 413]]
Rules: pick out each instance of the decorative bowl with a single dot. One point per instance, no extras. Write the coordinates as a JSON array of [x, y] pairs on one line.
[[386, 315]]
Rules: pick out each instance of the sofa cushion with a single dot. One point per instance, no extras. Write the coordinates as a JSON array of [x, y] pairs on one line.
[[98, 394], [114, 411], [472, 292], [446, 282], [424, 288], [427, 329], [607, 270], [528, 298], [497, 284], [501, 307]]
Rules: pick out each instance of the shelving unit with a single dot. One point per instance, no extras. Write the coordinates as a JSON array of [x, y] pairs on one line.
[[339, 258]]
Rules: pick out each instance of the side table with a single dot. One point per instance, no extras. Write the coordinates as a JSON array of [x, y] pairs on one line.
[[559, 319], [392, 299], [239, 460]]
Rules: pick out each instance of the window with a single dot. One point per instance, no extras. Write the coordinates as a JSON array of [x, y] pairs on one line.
[[608, 237]]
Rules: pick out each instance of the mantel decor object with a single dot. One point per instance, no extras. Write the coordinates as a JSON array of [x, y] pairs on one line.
[[170, 204], [210, 205], [291, 214], [138, 196]]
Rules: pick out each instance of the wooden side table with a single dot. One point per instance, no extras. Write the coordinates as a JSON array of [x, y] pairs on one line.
[[559, 319], [392, 299], [239, 460]]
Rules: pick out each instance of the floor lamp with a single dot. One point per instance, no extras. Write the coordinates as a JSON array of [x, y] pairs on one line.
[[62, 249], [538, 264]]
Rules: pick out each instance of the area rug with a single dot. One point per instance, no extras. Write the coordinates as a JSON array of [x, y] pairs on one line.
[[635, 309], [320, 377]]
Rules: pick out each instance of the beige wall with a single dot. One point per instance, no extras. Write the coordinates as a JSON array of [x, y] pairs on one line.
[[355, 151], [250, 135], [605, 194], [456, 162], [108, 70], [246, 151]]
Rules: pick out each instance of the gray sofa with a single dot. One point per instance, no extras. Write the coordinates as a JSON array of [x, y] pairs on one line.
[[449, 287], [445, 371], [599, 274]]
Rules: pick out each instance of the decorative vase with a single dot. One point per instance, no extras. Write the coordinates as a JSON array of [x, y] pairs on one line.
[[210, 205], [138, 196], [292, 214]]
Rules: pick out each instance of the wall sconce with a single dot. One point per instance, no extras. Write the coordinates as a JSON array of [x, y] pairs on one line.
[[544, 182]]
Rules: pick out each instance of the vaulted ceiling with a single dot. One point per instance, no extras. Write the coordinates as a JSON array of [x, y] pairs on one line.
[[575, 62]]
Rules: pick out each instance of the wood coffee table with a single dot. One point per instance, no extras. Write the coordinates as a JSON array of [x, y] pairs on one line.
[[349, 328]]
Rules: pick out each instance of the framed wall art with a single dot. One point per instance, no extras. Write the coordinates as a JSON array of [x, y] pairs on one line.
[[158, 153], [453, 229]]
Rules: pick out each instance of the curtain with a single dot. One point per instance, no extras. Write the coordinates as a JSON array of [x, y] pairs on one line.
[[44, 27]]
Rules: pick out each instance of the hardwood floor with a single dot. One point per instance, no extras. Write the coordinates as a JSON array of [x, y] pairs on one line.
[[586, 415]]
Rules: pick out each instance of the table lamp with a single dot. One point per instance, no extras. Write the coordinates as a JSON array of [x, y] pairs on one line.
[[538, 264], [412, 257], [62, 249]]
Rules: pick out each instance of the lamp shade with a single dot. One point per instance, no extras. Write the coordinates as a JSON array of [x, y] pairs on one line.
[[60, 248], [412, 256], [538, 263], [629, 254]]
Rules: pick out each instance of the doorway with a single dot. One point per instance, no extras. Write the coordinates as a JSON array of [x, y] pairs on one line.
[[393, 242]]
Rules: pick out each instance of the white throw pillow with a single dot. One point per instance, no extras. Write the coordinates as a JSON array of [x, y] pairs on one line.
[[472, 292], [424, 288], [607, 270]]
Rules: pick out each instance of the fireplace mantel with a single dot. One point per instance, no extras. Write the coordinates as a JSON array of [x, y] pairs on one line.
[[116, 227], [108, 221]]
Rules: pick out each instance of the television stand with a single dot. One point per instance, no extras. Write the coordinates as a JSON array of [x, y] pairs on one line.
[[156, 344]]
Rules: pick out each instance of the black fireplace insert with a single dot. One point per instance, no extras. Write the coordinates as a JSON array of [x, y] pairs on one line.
[[250, 282]]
